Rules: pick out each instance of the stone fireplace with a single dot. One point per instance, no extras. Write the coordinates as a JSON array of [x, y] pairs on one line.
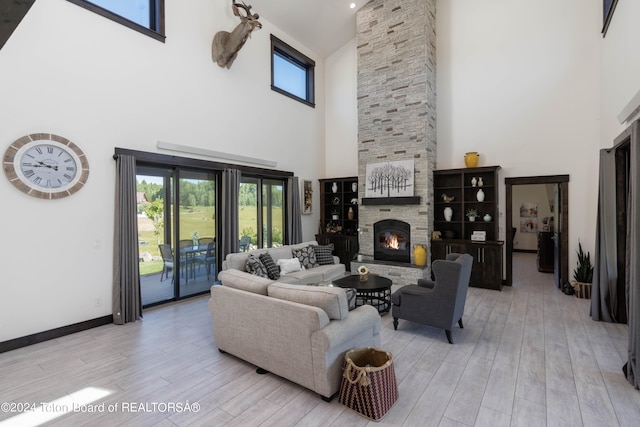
[[397, 117]]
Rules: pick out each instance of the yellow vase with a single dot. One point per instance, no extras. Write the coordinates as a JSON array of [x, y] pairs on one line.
[[471, 159], [420, 255]]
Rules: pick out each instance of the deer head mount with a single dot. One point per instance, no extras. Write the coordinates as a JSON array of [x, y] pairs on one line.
[[226, 45]]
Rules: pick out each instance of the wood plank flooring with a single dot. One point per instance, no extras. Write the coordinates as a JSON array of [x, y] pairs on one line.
[[528, 356]]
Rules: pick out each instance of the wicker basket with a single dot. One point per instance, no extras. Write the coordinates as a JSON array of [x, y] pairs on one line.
[[582, 290]]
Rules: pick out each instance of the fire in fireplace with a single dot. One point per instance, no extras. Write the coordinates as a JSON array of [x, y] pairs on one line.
[[392, 241]]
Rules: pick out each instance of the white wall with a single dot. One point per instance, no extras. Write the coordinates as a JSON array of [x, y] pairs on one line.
[[520, 82], [620, 68], [342, 112], [71, 72]]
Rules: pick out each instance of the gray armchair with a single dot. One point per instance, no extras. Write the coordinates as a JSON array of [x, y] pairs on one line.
[[439, 303]]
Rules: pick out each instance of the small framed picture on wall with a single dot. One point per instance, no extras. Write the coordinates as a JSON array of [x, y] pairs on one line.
[[307, 197]]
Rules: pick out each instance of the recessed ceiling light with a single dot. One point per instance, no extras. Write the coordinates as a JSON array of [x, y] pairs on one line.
[[352, 5]]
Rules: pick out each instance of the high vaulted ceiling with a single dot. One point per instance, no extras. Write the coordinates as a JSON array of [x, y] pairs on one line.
[[323, 26]]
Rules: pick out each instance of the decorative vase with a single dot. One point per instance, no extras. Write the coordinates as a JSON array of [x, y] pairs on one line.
[[487, 218], [334, 187], [471, 159], [472, 219], [474, 181], [480, 195], [364, 277], [480, 183], [448, 213], [359, 258], [350, 213], [420, 255], [354, 186]]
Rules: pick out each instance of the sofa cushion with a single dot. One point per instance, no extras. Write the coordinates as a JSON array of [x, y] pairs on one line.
[[332, 300], [288, 265], [244, 281], [255, 266], [324, 254], [272, 269], [311, 276], [307, 256]]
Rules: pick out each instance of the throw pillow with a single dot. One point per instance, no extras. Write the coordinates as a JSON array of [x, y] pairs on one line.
[[306, 256], [324, 254], [272, 269], [255, 266], [288, 265]]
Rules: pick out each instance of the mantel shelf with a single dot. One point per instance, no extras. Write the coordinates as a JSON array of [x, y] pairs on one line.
[[394, 201]]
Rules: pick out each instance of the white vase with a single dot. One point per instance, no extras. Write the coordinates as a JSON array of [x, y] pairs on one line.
[[448, 213], [472, 219], [334, 187], [354, 187], [480, 183], [474, 181], [359, 258], [480, 195]]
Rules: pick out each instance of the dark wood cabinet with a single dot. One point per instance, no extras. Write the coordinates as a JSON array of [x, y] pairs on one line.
[[344, 247], [486, 271], [456, 191], [339, 217]]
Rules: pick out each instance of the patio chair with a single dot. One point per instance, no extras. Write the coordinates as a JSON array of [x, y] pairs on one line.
[[167, 261], [244, 243], [187, 257], [208, 258]]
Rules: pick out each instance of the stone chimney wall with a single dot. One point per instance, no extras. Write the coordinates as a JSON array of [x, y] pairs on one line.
[[396, 47]]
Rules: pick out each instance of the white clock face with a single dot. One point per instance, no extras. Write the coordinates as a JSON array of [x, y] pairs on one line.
[[47, 165]]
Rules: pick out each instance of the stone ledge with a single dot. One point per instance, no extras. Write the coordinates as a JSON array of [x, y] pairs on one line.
[[400, 273]]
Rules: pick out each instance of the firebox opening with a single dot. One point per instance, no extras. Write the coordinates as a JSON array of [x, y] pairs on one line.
[[392, 241]]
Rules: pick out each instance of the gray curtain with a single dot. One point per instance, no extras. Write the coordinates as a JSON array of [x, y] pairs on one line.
[[605, 270], [295, 213], [126, 302], [230, 190], [633, 258]]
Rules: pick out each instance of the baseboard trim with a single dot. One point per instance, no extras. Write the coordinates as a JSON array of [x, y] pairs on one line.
[[54, 333], [528, 251]]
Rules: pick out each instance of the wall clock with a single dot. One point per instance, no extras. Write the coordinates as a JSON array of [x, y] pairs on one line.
[[46, 166]]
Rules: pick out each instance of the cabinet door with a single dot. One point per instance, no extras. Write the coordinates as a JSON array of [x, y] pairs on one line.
[[487, 266]]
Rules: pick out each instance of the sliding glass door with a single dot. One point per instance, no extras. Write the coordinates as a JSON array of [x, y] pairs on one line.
[[177, 241], [261, 212]]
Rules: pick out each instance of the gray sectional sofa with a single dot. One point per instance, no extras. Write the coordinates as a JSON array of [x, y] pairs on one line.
[[320, 274], [296, 332]]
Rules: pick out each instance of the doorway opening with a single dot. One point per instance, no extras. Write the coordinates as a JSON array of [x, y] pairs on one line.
[[527, 223]]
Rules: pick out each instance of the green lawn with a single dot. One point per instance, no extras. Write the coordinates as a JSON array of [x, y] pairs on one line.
[[200, 219]]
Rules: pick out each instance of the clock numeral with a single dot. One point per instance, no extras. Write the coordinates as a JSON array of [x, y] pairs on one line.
[[71, 168], [66, 175], [49, 149], [48, 183], [29, 173], [39, 150], [37, 180]]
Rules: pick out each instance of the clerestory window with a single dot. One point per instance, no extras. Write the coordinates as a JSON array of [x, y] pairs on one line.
[[145, 16], [292, 73]]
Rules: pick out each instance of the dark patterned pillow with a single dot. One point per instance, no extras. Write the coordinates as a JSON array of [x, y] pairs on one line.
[[324, 254], [255, 266], [272, 269], [351, 297], [306, 256]]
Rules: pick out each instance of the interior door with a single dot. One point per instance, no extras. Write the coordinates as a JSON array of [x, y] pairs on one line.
[[557, 241]]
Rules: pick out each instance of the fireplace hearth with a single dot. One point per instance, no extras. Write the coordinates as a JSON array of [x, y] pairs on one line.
[[392, 241]]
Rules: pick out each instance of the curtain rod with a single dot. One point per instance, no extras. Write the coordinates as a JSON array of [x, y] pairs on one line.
[[214, 154]]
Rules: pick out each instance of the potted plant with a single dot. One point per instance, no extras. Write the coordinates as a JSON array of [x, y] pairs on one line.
[[472, 214], [583, 274]]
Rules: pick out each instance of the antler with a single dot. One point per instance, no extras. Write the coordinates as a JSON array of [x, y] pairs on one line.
[[246, 8]]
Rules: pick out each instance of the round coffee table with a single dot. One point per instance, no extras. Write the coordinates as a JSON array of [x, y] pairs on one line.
[[376, 291]]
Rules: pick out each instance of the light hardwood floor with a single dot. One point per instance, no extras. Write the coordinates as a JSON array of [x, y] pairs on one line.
[[528, 355]]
